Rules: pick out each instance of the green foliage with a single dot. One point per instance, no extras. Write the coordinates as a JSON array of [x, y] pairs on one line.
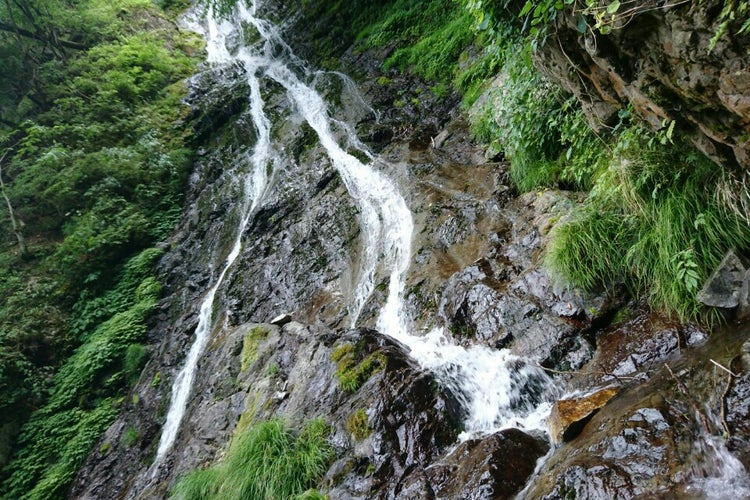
[[540, 130], [353, 369], [136, 356], [734, 13], [652, 222], [358, 426], [311, 495], [430, 37], [94, 159], [52, 446], [427, 36], [268, 460], [90, 375], [250, 346]]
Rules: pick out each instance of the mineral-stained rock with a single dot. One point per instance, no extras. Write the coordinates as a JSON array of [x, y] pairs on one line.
[[568, 416]]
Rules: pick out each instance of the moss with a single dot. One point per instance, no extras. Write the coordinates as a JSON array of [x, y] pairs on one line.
[[358, 426], [250, 346], [130, 437], [353, 370]]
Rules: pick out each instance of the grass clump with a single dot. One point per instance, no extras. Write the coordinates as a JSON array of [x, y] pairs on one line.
[[268, 460], [652, 221], [352, 369]]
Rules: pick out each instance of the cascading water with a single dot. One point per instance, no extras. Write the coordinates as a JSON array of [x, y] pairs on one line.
[[492, 385], [254, 185]]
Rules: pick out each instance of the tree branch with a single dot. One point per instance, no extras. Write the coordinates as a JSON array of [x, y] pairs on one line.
[[42, 38]]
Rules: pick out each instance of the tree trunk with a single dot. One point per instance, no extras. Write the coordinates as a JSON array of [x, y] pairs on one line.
[[16, 223]]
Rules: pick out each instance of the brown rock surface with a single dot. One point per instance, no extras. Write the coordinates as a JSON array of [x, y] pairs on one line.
[[568, 416]]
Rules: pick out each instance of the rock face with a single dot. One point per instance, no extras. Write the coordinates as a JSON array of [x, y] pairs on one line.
[[661, 61], [727, 287], [475, 270]]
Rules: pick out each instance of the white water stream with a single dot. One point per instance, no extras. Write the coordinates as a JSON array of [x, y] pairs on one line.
[[493, 386]]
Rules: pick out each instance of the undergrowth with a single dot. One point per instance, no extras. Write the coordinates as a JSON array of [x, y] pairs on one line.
[[95, 155], [59, 436], [267, 460], [652, 221]]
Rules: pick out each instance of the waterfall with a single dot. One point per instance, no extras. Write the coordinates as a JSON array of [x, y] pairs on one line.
[[492, 385], [254, 185], [496, 388]]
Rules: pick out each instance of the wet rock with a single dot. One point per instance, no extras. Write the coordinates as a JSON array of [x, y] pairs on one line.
[[738, 418], [413, 420], [621, 458], [505, 299], [568, 416], [723, 287], [496, 466], [637, 345], [214, 97]]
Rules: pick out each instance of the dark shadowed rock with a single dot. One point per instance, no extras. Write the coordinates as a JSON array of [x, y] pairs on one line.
[[493, 467], [661, 63]]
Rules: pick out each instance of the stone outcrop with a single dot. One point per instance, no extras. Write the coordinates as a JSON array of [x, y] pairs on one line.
[[568, 416], [659, 59], [496, 466], [727, 287]]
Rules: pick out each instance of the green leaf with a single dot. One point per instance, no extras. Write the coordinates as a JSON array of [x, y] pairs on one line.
[[612, 8]]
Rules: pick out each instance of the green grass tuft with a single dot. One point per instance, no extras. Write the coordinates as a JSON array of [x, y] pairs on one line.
[[266, 461], [652, 222]]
